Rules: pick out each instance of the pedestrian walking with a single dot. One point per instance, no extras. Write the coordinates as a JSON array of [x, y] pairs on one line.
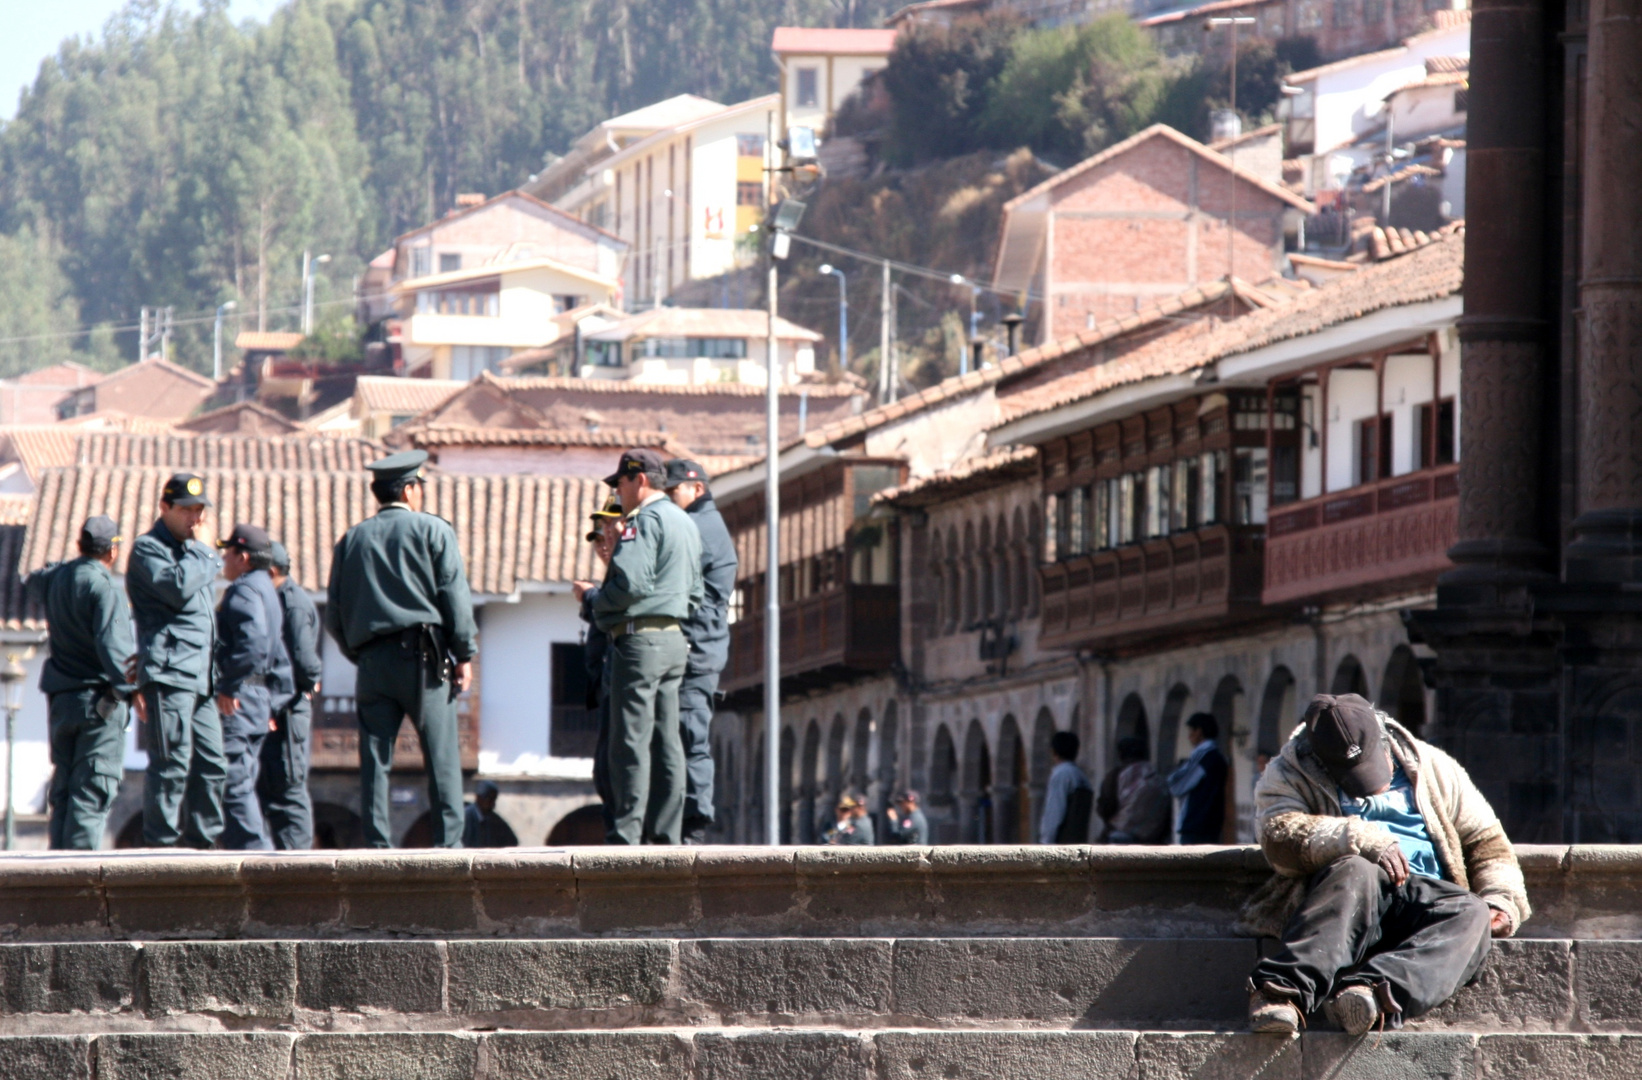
[[907, 823], [1199, 783], [254, 682], [1393, 874], [169, 578], [287, 752], [1133, 801], [852, 827], [87, 680], [1070, 799], [604, 535], [708, 632], [482, 825], [653, 583], [399, 607]]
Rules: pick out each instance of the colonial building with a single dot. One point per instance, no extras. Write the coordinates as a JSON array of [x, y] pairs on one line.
[[1201, 506]]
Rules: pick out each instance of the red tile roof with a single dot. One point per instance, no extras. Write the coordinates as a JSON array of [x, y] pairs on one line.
[[512, 529], [400, 397], [971, 474], [1428, 273], [824, 40], [304, 452]]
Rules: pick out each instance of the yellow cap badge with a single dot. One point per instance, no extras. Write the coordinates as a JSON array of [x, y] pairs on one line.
[[195, 486]]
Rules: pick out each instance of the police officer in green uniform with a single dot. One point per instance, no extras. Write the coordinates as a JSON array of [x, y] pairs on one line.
[[87, 681], [282, 784], [169, 578], [652, 584], [399, 607]]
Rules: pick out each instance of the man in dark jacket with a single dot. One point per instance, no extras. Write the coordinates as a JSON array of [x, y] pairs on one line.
[[907, 823], [1199, 783], [86, 681], [254, 683], [604, 535], [399, 606], [283, 785], [708, 631], [169, 578]]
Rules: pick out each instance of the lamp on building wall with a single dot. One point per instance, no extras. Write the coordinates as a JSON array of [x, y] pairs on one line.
[[12, 675]]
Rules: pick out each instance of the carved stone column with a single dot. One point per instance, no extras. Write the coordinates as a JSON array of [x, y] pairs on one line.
[[1503, 331], [1608, 547]]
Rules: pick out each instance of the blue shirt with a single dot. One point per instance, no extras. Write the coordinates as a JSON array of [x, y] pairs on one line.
[[1397, 811]]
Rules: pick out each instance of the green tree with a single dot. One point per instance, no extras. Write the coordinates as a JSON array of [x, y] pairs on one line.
[[38, 314]]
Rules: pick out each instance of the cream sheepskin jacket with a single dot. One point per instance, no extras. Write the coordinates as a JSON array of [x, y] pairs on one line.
[[1302, 830]]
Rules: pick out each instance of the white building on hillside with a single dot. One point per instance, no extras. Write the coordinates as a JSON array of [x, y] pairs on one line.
[[692, 346], [820, 67]]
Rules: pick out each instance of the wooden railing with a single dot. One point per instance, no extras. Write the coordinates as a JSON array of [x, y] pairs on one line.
[[853, 628], [1390, 534], [1171, 583], [335, 739]]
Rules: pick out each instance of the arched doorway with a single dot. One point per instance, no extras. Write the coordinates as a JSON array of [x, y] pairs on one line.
[[1227, 708], [860, 776], [943, 776], [1013, 813], [337, 827], [1349, 678], [1131, 723], [788, 751], [806, 785], [889, 754], [582, 827], [1402, 693], [975, 800], [1168, 726], [1042, 761], [837, 740], [1277, 713]]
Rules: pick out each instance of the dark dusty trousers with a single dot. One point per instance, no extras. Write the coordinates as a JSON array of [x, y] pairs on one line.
[[283, 783], [1426, 937], [646, 754], [242, 826], [187, 769], [87, 758], [387, 692], [695, 714]]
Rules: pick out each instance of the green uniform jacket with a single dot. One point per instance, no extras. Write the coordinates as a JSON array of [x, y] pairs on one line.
[[90, 628], [301, 635], [394, 571], [170, 585], [656, 568]]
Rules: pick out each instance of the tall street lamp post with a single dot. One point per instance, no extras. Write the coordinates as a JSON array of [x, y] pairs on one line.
[[843, 317], [308, 264]]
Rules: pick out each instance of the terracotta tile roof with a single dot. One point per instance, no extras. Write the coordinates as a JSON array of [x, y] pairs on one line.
[[823, 40], [512, 529], [1428, 273], [472, 436], [249, 417], [702, 322], [1389, 243], [1164, 131], [1437, 65], [719, 464], [154, 363], [304, 452], [16, 509], [17, 612], [396, 396], [969, 474], [38, 447], [1023, 363], [114, 420], [543, 383], [1447, 19], [266, 340]]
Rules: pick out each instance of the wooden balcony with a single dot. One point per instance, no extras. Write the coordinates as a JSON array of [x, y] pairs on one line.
[[1176, 584], [824, 638], [335, 739], [1377, 537]]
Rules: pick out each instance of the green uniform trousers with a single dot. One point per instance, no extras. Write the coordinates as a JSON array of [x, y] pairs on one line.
[[187, 769], [386, 691], [645, 751], [87, 758], [282, 783]]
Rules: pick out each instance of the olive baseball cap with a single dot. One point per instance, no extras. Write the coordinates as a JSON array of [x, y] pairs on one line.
[[185, 489], [1347, 738]]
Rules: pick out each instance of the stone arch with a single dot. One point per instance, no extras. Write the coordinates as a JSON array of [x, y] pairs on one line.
[[1227, 707], [937, 581], [784, 805], [1402, 692], [975, 798], [1020, 566], [1131, 722], [583, 826], [1041, 761], [860, 775], [1277, 712], [837, 766], [1349, 678], [954, 582], [1034, 545], [808, 789], [1012, 787], [1175, 707], [941, 798], [987, 587], [967, 619], [889, 754]]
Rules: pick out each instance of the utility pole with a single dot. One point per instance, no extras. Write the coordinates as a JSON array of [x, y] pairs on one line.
[[165, 334], [308, 264], [216, 340], [772, 535], [885, 315], [1231, 150], [142, 336]]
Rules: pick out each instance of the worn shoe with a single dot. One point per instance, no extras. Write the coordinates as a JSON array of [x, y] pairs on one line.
[[1274, 1011], [1353, 1009]]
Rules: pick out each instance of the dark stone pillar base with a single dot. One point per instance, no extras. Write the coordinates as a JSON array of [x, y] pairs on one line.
[[1607, 547]]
